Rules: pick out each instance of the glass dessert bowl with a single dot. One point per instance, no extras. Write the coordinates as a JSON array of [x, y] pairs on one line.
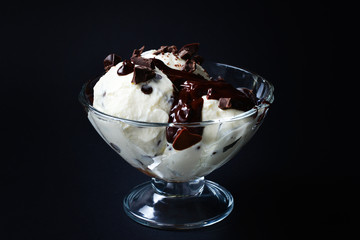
[[178, 196]]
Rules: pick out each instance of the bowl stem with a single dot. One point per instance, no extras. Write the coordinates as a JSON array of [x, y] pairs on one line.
[[179, 189]]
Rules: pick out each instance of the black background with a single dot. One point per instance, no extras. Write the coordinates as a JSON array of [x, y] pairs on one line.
[[63, 182]]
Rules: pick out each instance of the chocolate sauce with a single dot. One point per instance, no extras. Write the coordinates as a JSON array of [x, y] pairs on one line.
[[188, 102]]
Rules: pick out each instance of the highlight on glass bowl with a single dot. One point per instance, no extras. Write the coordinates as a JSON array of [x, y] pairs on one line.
[[176, 118]]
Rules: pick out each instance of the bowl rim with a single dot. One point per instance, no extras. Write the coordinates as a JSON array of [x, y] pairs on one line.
[[267, 101]]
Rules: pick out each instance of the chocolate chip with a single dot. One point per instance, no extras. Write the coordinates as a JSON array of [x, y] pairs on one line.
[[139, 162], [158, 77], [190, 66], [115, 147], [225, 103], [111, 60], [230, 145], [188, 50], [126, 68], [142, 74], [147, 62], [146, 89], [185, 139]]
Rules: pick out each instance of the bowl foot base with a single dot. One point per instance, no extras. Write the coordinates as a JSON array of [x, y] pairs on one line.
[[194, 204]]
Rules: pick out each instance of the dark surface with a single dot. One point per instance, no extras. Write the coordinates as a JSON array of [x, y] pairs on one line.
[[61, 181]]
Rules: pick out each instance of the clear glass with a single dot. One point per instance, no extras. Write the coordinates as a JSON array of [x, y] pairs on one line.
[[178, 196]]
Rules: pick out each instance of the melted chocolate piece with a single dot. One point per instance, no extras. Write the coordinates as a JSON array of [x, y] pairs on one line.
[[146, 62], [188, 50], [185, 139], [184, 110], [126, 68], [111, 60], [241, 99], [142, 74]]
